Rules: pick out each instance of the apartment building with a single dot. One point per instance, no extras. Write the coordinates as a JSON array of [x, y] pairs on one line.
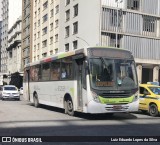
[[27, 15], [65, 25], [0, 10], [11, 10], [60, 25], [0, 40], [14, 47]]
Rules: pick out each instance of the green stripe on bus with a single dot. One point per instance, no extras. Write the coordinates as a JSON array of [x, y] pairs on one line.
[[116, 100]]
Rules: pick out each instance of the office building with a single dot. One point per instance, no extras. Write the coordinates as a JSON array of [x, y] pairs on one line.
[[26, 31], [65, 25], [11, 10]]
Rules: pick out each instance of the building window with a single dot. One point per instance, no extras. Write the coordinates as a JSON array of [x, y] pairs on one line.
[[44, 55], [75, 44], [52, 13], [35, 3], [51, 40], [34, 48], [35, 25], [56, 50], [67, 2], [38, 23], [57, 9], [39, 11], [75, 10], [113, 18], [44, 43], [56, 38], [38, 46], [45, 5], [35, 13], [56, 23], [51, 26], [113, 40], [75, 28], [66, 47], [51, 1], [34, 36], [133, 4], [67, 15], [149, 23], [51, 52], [38, 34], [67, 31], [44, 30], [45, 18]]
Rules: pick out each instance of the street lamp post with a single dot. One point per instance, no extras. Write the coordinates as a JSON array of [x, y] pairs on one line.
[[117, 1], [82, 40]]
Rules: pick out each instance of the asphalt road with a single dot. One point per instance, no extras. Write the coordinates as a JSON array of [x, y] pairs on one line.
[[21, 118]]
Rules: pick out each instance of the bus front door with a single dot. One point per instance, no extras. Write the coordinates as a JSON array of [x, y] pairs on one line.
[[27, 95], [79, 67]]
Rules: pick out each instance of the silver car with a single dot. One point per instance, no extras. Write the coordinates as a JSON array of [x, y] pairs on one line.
[[10, 92]]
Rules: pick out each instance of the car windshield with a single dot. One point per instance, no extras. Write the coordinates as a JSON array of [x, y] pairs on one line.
[[155, 90], [107, 74], [10, 88]]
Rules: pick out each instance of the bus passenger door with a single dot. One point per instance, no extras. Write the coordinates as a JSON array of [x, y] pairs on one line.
[[78, 77], [27, 88]]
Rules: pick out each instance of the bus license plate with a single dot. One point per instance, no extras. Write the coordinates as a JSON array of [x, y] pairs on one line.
[[117, 107]]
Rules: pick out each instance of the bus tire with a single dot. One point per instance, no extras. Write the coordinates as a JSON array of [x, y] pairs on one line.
[[36, 101], [153, 110], [68, 105]]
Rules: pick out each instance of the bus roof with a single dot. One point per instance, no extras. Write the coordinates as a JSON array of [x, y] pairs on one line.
[[70, 53]]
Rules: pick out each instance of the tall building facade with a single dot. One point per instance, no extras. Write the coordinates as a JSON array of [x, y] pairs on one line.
[[27, 15], [65, 25], [14, 47], [0, 10], [11, 10], [0, 41], [61, 25]]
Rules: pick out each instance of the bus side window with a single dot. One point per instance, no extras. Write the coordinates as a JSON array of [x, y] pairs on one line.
[[45, 71], [55, 70], [67, 68], [37, 73], [32, 74]]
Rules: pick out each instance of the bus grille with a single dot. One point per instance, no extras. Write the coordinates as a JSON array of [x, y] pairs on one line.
[[117, 108]]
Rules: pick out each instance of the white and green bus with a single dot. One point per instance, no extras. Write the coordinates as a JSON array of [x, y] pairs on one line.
[[90, 80]]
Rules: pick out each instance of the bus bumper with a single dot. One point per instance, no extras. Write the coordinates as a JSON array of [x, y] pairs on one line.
[[94, 107]]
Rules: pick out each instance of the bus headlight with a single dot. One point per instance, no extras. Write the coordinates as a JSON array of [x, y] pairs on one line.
[[95, 97]]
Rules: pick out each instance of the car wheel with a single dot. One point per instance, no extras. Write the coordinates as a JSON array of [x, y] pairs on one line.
[[153, 110], [69, 107], [36, 101]]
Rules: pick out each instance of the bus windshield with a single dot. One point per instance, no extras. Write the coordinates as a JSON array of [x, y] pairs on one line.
[[112, 74]]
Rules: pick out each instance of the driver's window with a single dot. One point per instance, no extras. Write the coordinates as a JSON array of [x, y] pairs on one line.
[[146, 92], [141, 90]]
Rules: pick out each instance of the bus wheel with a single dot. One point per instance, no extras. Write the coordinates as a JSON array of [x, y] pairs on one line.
[[153, 111], [36, 101], [69, 107]]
